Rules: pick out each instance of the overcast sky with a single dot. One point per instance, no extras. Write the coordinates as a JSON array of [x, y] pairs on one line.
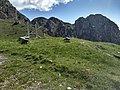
[[69, 10]]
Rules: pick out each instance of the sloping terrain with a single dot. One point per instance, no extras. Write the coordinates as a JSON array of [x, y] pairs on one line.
[[49, 63], [11, 29], [52, 63]]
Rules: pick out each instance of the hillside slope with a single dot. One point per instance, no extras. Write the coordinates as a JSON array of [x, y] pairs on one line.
[[11, 29], [52, 64]]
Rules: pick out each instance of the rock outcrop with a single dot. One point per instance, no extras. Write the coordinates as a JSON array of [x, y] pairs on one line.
[[7, 11], [55, 27], [94, 28], [97, 28]]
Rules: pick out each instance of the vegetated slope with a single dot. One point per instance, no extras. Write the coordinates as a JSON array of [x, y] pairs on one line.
[[14, 29], [12, 22], [51, 63], [11, 29]]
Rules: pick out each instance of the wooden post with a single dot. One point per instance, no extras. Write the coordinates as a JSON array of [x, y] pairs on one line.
[[16, 15], [28, 31], [36, 30]]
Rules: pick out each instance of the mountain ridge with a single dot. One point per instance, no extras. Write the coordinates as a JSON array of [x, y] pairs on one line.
[[94, 27], [54, 26], [8, 11], [97, 28]]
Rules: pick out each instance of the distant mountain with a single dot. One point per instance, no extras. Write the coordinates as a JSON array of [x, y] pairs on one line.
[[54, 26], [97, 28], [94, 28], [7, 11]]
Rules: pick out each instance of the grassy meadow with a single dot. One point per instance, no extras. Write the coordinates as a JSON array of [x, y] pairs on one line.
[[52, 64]]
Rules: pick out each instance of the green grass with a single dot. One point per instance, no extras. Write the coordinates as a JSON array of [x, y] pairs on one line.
[[9, 30], [50, 63]]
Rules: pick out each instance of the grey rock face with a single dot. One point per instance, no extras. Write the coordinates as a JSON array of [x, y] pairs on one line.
[[40, 20], [7, 11], [97, 28], [94, 28], [55, 27]]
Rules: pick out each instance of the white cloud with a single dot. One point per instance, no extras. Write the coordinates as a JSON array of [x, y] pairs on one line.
[[42, 5]]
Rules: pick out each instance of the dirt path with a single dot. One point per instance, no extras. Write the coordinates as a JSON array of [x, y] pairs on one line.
[[2, 59]]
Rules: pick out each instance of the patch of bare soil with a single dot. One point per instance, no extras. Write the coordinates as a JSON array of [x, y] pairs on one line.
[[2, 59]]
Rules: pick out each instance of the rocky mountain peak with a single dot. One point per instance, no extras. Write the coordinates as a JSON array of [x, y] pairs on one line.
[[97, 28], [94, 28], [40, 20], [54, 26], [7, 11], [55, 19]]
